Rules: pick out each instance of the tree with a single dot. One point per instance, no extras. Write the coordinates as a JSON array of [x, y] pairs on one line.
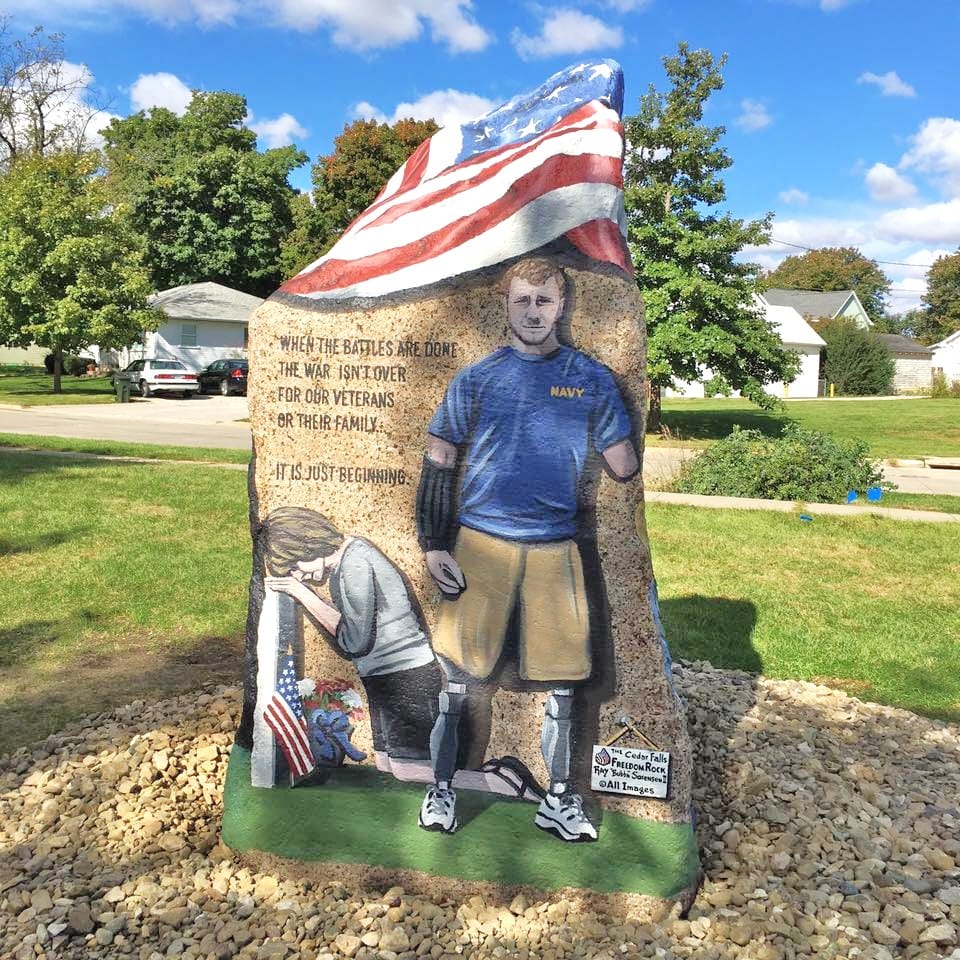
[[42, 104], [365, 155], [942, 300], [300, 246], [855, 360], [209, 205], [70, 269], [699, 298], [835, 268]]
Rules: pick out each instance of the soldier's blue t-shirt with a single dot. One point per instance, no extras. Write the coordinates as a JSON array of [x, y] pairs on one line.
[[525, 425]]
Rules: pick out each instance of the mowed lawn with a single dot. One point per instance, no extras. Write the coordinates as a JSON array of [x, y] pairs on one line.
[[866, 604], [36, 389], [117, 582], [893, 428], [128, 581]]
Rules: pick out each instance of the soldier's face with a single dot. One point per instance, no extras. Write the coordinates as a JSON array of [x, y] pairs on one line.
[[533, 309]]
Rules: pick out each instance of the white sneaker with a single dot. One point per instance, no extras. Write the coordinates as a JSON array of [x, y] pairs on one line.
[[563, 816], [439, 810]]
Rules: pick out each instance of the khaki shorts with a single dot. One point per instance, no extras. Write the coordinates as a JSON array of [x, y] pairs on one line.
[[544, 581]]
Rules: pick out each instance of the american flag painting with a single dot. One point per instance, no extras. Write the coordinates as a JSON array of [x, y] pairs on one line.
[[545, 165], [284, 716]]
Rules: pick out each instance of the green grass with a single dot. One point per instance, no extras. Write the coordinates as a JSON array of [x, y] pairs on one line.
[[118, 448], [117, 581], [866, 604], [893, 428], [120, 581], [36, 389], [940, 502], [372, 818]]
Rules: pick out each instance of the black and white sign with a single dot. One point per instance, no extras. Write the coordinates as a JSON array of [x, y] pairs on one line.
[[637, 773]]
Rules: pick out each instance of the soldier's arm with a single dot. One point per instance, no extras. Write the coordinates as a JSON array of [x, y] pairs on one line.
[[622, 460], [437, 514]]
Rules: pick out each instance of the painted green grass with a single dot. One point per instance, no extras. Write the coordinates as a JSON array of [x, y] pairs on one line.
[[35, 389], [893, 428], [866, 604], [117, 581], [372, 818], [119, 448]]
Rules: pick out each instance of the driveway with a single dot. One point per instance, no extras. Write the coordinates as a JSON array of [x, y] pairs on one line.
[[201, 421]]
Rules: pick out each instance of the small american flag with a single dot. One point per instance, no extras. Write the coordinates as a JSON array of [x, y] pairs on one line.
[[546, 164], [284, 716]]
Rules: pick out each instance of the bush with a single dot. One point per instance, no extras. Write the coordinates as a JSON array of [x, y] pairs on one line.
[[72, 366], [941, 389], [855, 361], [803, 465]]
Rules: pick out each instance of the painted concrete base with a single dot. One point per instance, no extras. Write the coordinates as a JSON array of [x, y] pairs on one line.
[[366, 831]]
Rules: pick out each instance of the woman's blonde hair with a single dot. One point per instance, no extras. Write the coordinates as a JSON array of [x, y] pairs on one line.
[[293, 534]]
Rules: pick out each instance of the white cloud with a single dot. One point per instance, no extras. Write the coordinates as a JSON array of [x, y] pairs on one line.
[[888, 186], [753, 116], [935, 150], [447, 107], [930, 223], [373, 24], [794, 196], [889, 83], [625, 6], [566, 31], [355, 24], [160, 90], [278, 132]]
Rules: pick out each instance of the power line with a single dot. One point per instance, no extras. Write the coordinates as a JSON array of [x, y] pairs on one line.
[[891, 263]]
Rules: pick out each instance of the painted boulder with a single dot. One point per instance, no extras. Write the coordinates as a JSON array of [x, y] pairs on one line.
[[456, 672]]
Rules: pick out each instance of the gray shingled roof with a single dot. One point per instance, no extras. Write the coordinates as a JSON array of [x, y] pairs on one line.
[[809, 303], [898, 344], [206, 301]]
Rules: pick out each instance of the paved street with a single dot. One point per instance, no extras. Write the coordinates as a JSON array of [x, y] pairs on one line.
[[202, 421]]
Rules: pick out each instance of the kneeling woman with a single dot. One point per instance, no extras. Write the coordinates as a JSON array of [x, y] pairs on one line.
[[370, 620]]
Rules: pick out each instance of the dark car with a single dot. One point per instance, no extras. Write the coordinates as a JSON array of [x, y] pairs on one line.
[[225, 376]]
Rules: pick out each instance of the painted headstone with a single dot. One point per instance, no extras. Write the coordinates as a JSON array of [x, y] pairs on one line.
[[455, 663]]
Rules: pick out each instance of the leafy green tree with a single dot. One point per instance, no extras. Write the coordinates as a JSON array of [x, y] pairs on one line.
[[365, 155], [70, 268], [942, 300], [209, 205], [855, 360], [699, 297], [835, 268], [300, 246]]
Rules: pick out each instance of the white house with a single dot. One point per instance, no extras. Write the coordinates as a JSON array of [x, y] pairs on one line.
[[912, 367], [795, 334], [946, 356], [205, 322], [821, 304]]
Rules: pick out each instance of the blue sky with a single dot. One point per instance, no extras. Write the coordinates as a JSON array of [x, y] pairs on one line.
[[841, 115]]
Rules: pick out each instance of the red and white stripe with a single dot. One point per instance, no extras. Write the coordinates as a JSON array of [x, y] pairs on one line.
[[291, 734], [433, 220]]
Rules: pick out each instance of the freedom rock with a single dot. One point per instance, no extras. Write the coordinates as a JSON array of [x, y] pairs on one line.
[[456, 672]]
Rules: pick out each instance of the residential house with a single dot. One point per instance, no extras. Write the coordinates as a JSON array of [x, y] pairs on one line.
[[912, 366], [946, 356], [204, 322], [815, 305], [795, 334]]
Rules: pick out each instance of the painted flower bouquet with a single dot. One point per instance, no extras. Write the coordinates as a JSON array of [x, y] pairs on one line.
[[329, 707]]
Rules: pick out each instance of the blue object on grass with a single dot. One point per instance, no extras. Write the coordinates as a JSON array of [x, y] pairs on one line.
[[806, 518], [874, 494], [851, 496]]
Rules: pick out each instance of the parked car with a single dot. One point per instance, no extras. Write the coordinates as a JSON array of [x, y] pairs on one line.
[[227, 376], [160, 376]]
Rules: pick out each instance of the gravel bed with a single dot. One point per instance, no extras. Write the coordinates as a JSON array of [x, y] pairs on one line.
[[829, 828]]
